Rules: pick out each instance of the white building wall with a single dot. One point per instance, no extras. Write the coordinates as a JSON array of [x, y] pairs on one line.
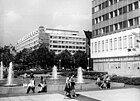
[[120, 61], [114, 53]]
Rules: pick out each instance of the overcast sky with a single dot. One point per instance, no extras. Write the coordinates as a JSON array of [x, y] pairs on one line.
[[20, 17]]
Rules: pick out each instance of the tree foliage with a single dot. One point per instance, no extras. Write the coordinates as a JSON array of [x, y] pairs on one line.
[[80, 59], [44, 58]]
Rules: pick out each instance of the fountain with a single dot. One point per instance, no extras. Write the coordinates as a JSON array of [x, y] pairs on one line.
[[80, 75], [10, 74], [1, 71], [54, 72], [53, 84]]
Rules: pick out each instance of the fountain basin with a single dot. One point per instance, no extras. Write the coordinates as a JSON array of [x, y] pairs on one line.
[[51, 88]]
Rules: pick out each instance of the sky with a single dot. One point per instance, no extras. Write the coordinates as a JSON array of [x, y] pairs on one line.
[[20, 17]]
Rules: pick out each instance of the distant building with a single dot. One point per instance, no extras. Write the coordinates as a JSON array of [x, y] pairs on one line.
[[54, 39], [115, 46]]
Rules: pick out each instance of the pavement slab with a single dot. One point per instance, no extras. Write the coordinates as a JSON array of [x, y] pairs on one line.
[[129, 94], [126, 94]]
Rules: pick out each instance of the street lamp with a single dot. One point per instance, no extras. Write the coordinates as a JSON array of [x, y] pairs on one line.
[[59, 64], [88, 64]]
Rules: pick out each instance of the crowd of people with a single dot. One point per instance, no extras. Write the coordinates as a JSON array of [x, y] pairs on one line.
[[69, 86], [102, 82], [105, 83]]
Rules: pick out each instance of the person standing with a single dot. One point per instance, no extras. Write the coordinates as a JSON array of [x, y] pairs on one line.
[[31, 86], [67, 87], [72, 87]]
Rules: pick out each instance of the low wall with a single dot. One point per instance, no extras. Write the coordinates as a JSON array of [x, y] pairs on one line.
[[50, 88]]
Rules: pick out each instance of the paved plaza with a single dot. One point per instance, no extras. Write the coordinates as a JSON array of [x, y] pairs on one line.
[[125, 94]]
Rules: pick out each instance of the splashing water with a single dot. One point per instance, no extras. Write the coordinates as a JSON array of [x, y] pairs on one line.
[[1, 70], [54, 72], [80, 75], [10, 74]]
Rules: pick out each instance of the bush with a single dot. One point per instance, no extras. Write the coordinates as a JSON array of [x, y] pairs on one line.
[[86, 75], [126, 80]]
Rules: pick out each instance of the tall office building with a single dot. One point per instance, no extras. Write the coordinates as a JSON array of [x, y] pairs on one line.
[[115, 42], [54, 39]]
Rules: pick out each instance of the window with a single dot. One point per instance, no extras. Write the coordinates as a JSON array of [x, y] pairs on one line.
[[104, 17], [124, 9], [106, 3], [115, 13], [107, 29], [107, 16], [120, 11], [116, 26], [96, 32], [96, 8], [100, 7], [130, 22], [120, 25], [103, 5], [111, 44], [111, 2], [100, 31], [98, 46], [106, 45], [125, 24], [115, 43], [92, 47], [120, 43], [125, 42], [136, 5], [104, 30], [135, 42], [103, 45], [111, 14], [136, 21], [111, 28], [100, 19], [95, 47], [130, 7], [130, 41], [115, 1], [96, 20], [93, 10]]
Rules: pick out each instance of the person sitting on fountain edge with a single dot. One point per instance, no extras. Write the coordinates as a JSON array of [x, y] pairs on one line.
[[43, 85], [31, 85]]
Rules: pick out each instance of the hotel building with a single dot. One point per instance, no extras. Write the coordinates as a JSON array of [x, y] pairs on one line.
[[55, 39], [115, 40]]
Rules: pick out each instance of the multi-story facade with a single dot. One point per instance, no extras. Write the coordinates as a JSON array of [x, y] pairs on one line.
[[55, 39], [115, 46]]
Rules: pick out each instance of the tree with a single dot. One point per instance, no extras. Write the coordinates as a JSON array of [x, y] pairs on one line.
[[42, 57], [66, 59], [6, 56], [80, 59]]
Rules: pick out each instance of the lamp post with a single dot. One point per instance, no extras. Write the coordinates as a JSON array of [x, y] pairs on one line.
[[59, 64], [88, 65]]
